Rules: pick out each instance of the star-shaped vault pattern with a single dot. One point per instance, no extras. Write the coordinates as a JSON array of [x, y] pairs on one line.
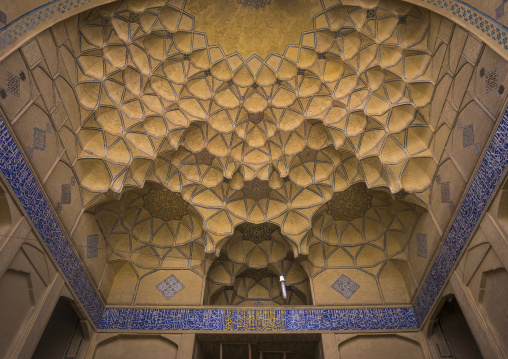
[[254, 140]]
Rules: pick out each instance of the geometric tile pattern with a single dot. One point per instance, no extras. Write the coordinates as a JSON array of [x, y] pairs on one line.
[[468, 136], [468, 215], [12, 84], [39, 139], [421, 245], [258, 319], [66, 190], [92, 246], [257, 233], [345, 286], [256, 189], [484, 182], [445, 192], [349, 204], [26, 189], [491, 80], [164, 204], [66, 194], [169, 287]]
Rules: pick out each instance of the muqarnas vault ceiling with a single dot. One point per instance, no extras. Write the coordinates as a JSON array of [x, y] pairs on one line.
[[211, 172]]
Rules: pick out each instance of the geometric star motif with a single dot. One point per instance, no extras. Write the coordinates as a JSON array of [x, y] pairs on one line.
[[256, 189], [164, 204], [39, 139], [491, 80], [92, 243], [12, 84], [256, 232], [169, 287], [349, 204], [345, 286], [468, 136], [421, 245]]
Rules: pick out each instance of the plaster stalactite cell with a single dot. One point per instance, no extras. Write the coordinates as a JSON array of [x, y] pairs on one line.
[[169, 163], [361, 228], [201, 146], [152, 228], [248, 269], [257, 245], [152, 63]]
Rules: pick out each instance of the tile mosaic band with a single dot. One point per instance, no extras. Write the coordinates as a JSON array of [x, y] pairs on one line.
[[258, 319], [269, 320], [25, 187], [483, 185]]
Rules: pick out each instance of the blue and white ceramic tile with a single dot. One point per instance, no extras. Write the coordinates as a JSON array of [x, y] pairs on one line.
[[25, 187], [162, 319], [483, 185], [345, 286], [350, 319], [170, 286]]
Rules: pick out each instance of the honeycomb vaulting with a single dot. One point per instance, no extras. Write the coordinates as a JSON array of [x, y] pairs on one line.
[[254, 140]]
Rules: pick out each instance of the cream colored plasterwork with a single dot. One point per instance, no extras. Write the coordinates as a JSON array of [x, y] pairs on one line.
[[348, 104]]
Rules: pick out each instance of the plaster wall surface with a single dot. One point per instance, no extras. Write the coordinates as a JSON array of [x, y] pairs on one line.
[[52, 83]]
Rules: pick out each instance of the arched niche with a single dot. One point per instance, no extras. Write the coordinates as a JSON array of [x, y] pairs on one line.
[[119, 282], [248, 270], [449, 334], [380, 346], [135, 347], [493, 294], [396, 281], [502, 213], [5, 213], [64, 335], [16, 305]]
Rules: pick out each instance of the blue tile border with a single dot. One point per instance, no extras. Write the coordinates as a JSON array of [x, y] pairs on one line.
[[16, 29], [350, 319], [12, 32], [258, 319], [482, 187], [161, 319], [487, 25], [24, 185]]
